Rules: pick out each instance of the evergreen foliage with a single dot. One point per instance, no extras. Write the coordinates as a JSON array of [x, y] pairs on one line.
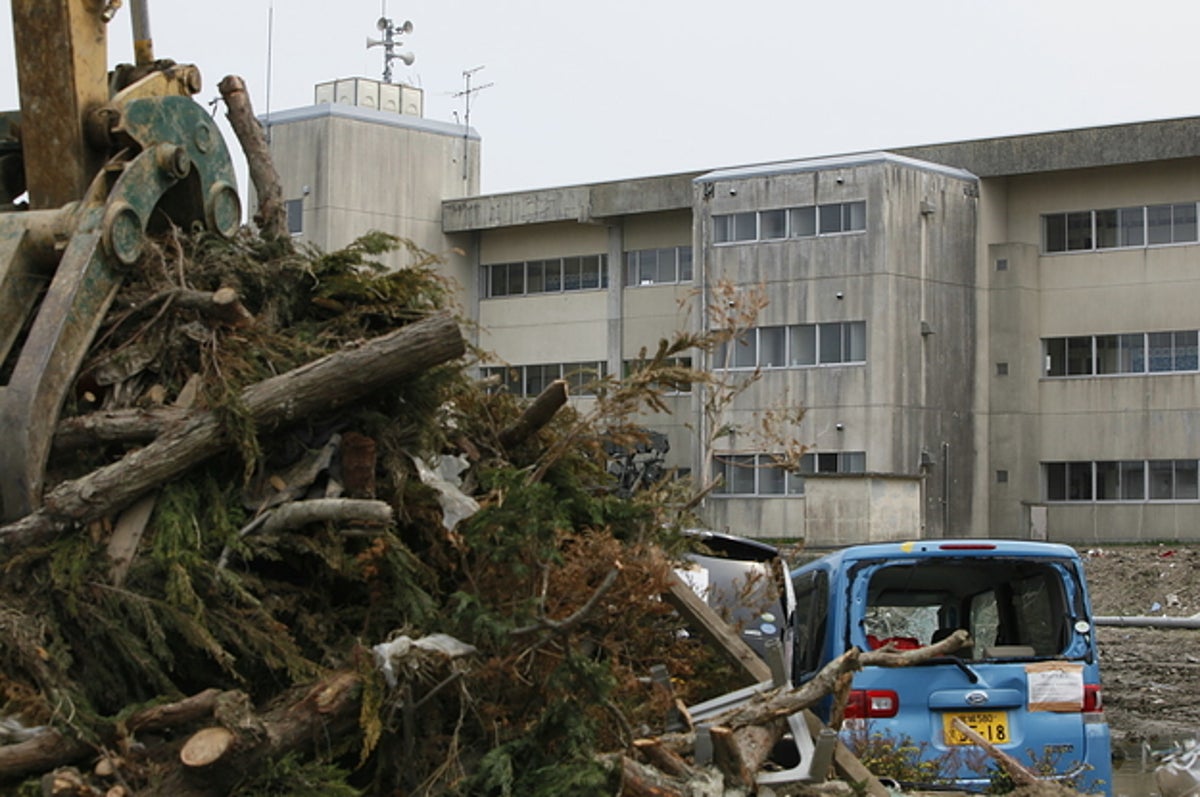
[[527, 714]]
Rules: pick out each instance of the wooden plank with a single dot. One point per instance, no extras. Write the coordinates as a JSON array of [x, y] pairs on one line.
[[716, 630]]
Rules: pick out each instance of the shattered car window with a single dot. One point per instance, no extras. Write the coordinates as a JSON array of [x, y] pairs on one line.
[[1011, 608]]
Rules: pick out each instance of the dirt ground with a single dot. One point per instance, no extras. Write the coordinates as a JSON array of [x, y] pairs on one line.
[[1151, 677]]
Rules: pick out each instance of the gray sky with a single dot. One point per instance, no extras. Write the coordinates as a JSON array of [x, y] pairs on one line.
[[598, 91]]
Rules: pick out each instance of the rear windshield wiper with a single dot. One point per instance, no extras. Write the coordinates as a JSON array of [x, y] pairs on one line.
[[972, 676]]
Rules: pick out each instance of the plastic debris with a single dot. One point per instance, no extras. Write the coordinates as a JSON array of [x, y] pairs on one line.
[[445, 478], [403, 650], [1179, 773], [12, 730]]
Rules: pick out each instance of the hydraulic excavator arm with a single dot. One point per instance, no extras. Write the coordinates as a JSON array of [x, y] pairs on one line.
[[102, 160]]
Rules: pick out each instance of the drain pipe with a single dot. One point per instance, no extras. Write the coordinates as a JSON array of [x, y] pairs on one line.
[[945, 489], [1138, 621]]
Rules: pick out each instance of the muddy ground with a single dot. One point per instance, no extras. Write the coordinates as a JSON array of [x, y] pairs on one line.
[[1151, 677]]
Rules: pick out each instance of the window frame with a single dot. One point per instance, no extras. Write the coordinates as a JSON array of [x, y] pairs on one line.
[[790, 223], [635, 274], [834, 344], [1130, 353], [1113, 228], [1130, 481], [566, 274]]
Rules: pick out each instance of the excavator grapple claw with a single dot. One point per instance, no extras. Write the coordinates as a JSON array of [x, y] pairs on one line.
[[61, 268]]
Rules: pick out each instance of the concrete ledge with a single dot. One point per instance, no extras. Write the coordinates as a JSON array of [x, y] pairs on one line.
[[1082, 148], [580, 203]]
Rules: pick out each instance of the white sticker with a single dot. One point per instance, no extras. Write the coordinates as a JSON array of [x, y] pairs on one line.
[[1055, 686]]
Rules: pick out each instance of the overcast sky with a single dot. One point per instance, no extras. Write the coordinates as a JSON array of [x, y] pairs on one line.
[[594, 91]]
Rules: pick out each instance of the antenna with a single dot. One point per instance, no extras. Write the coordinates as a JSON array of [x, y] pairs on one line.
[[389, 42], [466, 94]]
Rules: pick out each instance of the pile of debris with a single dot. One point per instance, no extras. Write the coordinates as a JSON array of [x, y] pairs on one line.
[[288, 545]]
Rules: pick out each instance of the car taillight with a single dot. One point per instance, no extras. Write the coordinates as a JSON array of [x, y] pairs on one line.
[[872, 704], [1093, 701]]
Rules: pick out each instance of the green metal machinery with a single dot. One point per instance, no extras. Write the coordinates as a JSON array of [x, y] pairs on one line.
[[92, 163]]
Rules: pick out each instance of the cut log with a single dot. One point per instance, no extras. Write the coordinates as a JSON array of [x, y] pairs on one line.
[[536, 415], [320, 386], [51, 749], [727, 755], [640, 780], [327, 510], [173, 715], [131, 426], [271, 216], [781, 702], [301, 722], [223, 306], [206, 747], [663, 758], [43, 752], [889, 657]]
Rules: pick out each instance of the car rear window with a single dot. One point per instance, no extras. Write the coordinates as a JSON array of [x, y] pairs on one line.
[[1013, 608]]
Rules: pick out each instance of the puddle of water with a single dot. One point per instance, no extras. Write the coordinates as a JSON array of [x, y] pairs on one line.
[[1133, 770], [1134, 784]]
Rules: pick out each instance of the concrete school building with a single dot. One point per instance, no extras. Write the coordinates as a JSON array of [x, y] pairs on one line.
[[987, 338]]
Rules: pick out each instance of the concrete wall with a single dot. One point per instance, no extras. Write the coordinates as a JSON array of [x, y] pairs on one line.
[[835, 511], [613, 324], [1033, 419], [910, 276], [358, 170]]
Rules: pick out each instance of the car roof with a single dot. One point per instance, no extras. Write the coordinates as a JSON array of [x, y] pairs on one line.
[[945, 548]]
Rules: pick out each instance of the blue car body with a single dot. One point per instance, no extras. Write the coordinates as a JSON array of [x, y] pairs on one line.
[[1029, 683]]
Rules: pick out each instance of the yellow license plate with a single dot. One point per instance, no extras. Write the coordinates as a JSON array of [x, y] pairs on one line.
[[991, 725]]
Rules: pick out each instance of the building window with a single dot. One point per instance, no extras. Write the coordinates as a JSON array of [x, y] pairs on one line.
[[658, 266], [1130, 353], [294, 208], [795, 346], [800, 222], [764, 474], [834, 462], [1002, 477], [754, 474], [842, 217], [1115, 228], [530, 380], [1121, 481], [555, 275], [735, 227]]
